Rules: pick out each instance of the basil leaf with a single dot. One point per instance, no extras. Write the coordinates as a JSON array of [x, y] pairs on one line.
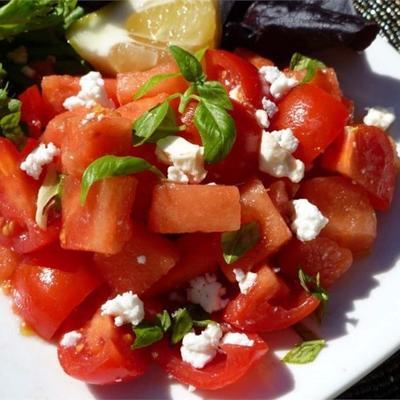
[[182, 323], [200, 53], [154, 124], [153, 81], [201, 318], [215, 93], [217, 131], [11, 129], [190, 67], [236, 244], [185, 98], [108, 166], [299, 62], [312, 285], [305, 352], [164, 320], [146, 335]]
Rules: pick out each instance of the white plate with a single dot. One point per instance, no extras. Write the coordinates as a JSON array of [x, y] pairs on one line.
[[362, 324]]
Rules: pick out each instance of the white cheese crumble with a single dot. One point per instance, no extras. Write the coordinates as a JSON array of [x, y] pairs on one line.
[[235, 94], [92, 116], [191, 388], [199, 350], [269, 106], [186, 159], [19, 55], [280, 84], [38, 158], [236, 338], [207, 291], [70, 339], [379, 117], [245, 281], [141, 259], [276, 157], [126, 308], [308, 220], [92, 92], [262, 118]]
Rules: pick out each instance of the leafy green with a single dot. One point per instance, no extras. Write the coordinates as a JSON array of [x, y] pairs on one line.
[[299, 62], [189, 65], [200, 53], [236, 244], [217, 131], [182, 323], [155, 124], [186, 97], [304, 352], [312, 285], [152, 82], [146, 334], [164, 320], [107, 166], [214, 93]]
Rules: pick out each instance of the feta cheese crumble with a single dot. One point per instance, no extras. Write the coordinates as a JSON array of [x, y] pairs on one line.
[[38, 158], [141, 260], [280, 84], [379, 117], [70, 339], [276, 157], [269, 106], [239, 339], [245, 281], [126, 308], [262, 118], [186, 159], [207, 291], [235, 94], [92, 92], [199, 350], [308, 220]]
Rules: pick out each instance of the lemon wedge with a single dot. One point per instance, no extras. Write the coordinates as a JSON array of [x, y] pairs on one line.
[[132, 35]]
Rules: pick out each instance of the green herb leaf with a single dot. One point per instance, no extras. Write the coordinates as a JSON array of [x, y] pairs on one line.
[[108, 166], [312, 285], [164, 320], [189, 65], [305, 352], [155, 124], [236, 244], [186, 97], [299, 62], [201, 318], [146, 335], [217, 131], [152, 82], [182, 323], [200, 53], [215, 93]]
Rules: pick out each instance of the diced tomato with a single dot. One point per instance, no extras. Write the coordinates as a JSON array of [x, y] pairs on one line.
[[84, 143], [145, 259], [321, 255], [230, 364], [129, 83], [9, 260], [199, 255], [194, 208], [365, 155], [316, 118], [103, 223], [33, 111], [257, 206], [110, 85], [352, 220], [49, 285], [103, 354], [135, 109], [232, 71], [254, 58], [269, 305], [281, 197]]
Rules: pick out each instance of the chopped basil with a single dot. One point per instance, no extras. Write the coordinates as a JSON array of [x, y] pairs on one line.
[[312, 285], [182, 323], [152, 82], [189, 65], [164, 320], [304, 352], [214, 93], [300, 62], [146, 334]]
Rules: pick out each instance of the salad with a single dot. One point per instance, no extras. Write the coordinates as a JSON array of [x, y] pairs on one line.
[[174, 214]]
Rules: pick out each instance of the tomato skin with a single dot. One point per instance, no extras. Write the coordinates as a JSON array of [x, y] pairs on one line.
[[48, 285], [103, 354], [269, 305], [9, 261], [232, 70], [316, 118], [227, 367]]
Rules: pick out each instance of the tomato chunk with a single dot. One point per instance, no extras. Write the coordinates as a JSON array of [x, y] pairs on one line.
[[129, 83], [365, 155], [321, 255], [84, 143], [103, 223], [135, 109], [256, 205], [352, 220], [194, 208], [102, 355], [49, 285], [254, 58], [269, 305], [9, 260], [145, 259], [230, 364], [199, 255], [316, 118]]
